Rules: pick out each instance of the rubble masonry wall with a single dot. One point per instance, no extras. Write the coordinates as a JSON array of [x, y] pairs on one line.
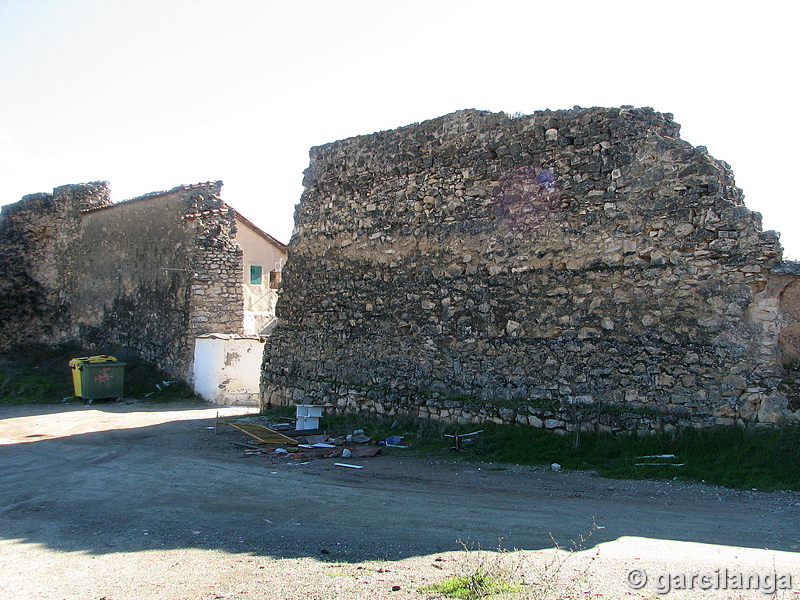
[[148, 274], [568, 269]]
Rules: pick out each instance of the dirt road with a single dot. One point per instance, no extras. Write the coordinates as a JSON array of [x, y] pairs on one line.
[[144, 501]]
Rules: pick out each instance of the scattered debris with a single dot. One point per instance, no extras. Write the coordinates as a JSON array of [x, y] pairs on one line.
[[658, 460], [308, 415], [304, 444], [365, 451], [251, 447], [391, 441], [556, 467], [265, 435], [462, 438], [656, 456], [316, 439], [348, 466], [358, 437]]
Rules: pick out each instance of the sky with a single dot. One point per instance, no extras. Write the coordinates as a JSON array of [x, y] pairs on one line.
[[152, 94]]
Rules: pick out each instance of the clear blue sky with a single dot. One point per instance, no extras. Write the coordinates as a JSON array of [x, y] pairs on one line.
[[151, 94]]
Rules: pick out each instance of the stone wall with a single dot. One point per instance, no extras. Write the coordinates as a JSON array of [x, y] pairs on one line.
[[148, 274], [579, 268], [36, 264]]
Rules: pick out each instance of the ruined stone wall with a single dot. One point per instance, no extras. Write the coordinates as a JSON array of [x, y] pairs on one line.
[[158, 271], [580, 268], [217, 296], [35, 262], [148, 274]]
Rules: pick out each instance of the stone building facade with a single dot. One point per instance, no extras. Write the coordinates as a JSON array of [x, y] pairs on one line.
[[581, 268], [150, 274]]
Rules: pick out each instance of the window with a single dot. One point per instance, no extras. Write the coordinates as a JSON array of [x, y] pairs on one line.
[[274, 280], [255, 275]]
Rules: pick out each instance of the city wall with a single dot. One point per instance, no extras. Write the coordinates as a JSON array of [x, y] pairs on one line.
[[149, 274], [576, 269]]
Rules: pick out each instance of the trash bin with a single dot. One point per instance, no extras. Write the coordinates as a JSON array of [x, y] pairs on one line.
[[96, 377]]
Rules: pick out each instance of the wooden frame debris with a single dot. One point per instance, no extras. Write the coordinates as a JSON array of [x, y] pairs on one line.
[[264, 435], [459, 439]]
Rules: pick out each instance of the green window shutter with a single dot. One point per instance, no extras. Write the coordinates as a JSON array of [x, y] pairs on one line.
[[255, 275]]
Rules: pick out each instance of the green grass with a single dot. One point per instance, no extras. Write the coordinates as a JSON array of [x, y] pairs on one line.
[[41, 375], [472, 586], [481, 575], [766, 459], [762, 458], [31, 388]]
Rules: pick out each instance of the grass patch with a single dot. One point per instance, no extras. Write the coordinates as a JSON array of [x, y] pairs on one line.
[[41, 375], [766, 459], [478, 584], [763, 458], [519, 575], [483, 575]]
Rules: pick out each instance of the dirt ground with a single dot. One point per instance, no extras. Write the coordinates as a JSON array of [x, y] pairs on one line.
[[129, 501]]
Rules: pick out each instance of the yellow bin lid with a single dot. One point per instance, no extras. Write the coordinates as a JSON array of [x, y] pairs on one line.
[[100, 358]]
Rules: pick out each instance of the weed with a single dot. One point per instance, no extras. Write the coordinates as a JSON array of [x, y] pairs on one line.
[[478, 584], [485, 575], [516, 574], [555, 578]]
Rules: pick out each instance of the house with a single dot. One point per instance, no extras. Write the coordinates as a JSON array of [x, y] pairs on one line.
[[263, 258], [152, 273]]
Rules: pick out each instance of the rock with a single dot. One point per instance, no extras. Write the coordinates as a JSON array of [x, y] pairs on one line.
[[773, 408]]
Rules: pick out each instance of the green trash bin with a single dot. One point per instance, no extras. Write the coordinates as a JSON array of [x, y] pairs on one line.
[[96, 377]]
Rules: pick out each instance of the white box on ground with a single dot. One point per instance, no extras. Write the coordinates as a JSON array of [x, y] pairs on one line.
[[308, 416]]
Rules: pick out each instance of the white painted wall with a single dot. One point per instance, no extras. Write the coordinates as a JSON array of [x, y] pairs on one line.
[[227, 369], [259, 299]]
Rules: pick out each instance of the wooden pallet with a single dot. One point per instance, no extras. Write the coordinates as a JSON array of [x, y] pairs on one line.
[[264, 435]]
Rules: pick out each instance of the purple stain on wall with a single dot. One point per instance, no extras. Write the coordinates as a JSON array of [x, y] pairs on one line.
[[525, 196], [546, 181]]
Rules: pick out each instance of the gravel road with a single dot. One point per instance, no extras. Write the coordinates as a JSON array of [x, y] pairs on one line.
[[128, 501]]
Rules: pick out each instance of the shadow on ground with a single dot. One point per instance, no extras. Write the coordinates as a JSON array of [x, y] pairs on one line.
[[152, 478]]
